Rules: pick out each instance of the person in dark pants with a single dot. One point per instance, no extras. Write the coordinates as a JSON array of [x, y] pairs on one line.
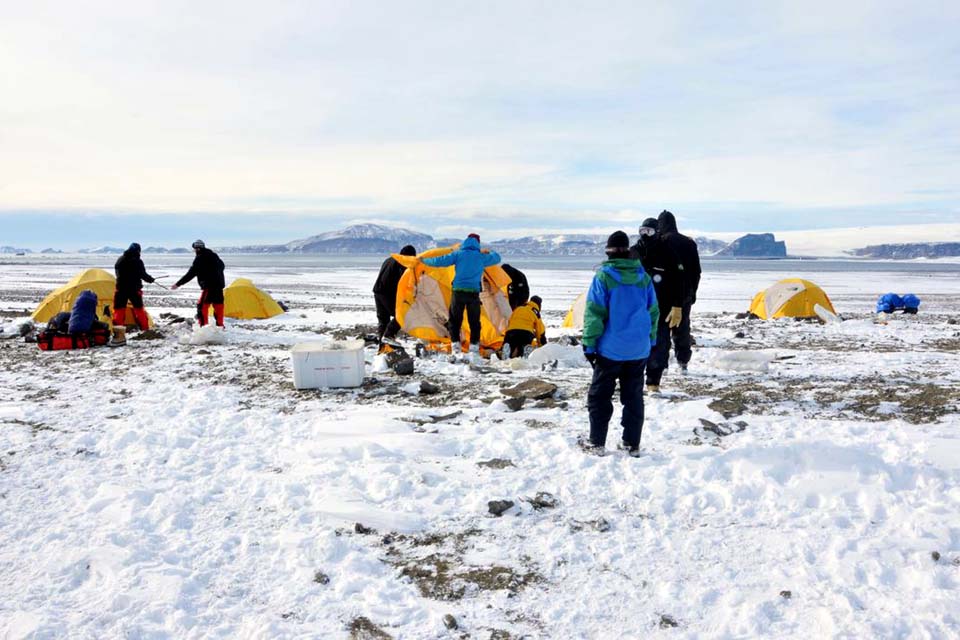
[[385, 295], [208, 268], [469, 261], [524, 329], [518, 292], [674, 262], [619, 327], [130, 276]]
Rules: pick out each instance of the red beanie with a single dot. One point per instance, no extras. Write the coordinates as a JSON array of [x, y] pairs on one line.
[[474, 235]]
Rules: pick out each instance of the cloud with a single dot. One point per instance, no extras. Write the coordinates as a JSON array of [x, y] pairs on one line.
[[499, 111]]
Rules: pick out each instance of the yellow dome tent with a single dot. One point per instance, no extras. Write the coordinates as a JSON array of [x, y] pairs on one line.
[[574, 317], [791, 298], [99, 281], [423, 302], [245, 301]]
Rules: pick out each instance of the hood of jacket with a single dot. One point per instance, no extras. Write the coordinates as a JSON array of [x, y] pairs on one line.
[[470, 244], [666, 223]]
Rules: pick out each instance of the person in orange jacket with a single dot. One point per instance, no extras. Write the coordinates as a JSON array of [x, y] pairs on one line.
[[524, 329]]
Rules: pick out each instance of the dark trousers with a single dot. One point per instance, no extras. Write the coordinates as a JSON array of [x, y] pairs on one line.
[[660, 353], [518, 339], [468, 301], [387, 325], [600, 399]]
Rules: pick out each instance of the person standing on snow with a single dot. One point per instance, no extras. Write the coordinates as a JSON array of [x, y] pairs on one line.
[[208, 268], [469, 261], [619, 327], [524, 328], [130, 276], [518, 292], [385, 295], [674, 262]]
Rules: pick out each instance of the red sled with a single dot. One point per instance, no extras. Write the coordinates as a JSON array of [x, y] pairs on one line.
[[56, 341]]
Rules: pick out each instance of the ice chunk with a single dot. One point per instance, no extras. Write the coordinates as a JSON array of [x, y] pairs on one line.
[[566, 357]]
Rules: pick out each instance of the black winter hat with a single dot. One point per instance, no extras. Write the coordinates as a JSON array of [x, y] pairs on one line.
[[134, 247], [618, 241], [650, 223], [408, 250], [537, 300]]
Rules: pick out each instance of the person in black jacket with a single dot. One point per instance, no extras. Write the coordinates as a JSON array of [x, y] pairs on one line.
[[130, 276], [676, 260], [385, 295], [517, 291], [207, 267]]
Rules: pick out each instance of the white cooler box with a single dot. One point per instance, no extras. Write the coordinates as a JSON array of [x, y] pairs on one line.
[[327, 364]]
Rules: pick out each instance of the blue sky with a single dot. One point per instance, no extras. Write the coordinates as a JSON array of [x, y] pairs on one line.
[[250, 122]]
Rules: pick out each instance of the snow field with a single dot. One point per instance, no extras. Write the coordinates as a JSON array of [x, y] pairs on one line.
[[173, 491]]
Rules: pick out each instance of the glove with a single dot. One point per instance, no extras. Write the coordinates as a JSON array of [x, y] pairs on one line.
[[590, 355], [674, 317]]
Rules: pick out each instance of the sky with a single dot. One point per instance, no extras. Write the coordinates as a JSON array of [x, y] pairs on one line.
[[246, 122]]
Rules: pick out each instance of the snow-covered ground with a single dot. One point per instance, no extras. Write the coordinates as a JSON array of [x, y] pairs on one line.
[[801, 481]]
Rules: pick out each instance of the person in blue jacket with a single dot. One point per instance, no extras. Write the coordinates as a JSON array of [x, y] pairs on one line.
[[619, 328], [469, 262]]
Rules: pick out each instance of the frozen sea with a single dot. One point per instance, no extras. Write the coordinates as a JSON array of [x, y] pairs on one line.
[[802, 481]]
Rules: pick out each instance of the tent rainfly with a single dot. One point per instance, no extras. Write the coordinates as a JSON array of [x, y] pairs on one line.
[[423, 302], [99, 281], [791, 298], [574, 317], [244, 301]]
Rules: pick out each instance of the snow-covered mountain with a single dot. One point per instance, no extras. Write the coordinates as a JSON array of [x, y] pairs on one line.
[[552, 244], [361, 238], [14, 250]]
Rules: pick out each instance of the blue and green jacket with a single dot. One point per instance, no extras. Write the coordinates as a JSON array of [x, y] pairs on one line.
[[620, 320]]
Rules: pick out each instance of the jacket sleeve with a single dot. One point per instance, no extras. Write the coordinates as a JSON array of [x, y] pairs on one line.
[[541, 332], [189, 275], [595, 314], [490, 259], [654, 310], [442, 261], [143, 273], [694, 275]]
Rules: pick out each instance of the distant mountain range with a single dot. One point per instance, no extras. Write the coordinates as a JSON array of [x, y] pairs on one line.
[[910, 251], [375, 239]]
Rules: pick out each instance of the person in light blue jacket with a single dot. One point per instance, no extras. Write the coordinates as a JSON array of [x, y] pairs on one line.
[[469, 262]]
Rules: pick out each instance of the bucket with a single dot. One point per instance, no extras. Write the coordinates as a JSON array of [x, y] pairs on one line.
[[327, 364]]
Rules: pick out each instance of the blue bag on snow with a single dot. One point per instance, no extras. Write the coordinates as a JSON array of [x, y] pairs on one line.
[[84, 312], [889, 302]]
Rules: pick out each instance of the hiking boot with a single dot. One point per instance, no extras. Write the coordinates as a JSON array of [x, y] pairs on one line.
[[653, 388], [590, 448], [633, 452], [119, 337], [527, 350], [505, 352], [683, 368]]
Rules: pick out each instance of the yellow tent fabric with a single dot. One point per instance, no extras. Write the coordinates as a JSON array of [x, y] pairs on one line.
[[99, 281], [791, 298], [243, 300], [423, 302], [574, 317]]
